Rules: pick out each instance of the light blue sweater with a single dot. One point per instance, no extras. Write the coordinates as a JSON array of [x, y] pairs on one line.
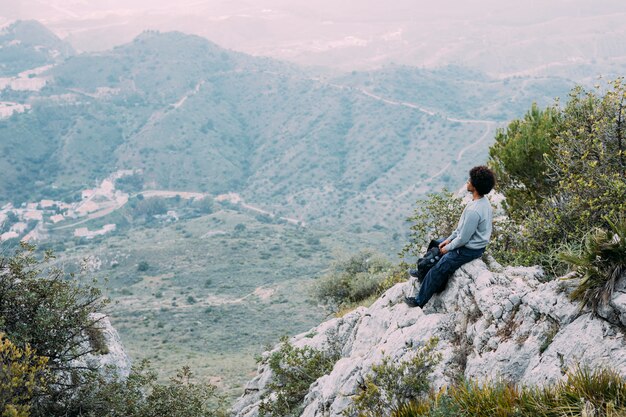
[[474, 229]]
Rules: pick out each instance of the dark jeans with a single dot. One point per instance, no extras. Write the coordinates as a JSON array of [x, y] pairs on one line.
[[436, 279]]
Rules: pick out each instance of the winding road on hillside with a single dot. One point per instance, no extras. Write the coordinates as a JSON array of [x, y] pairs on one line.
[[489, 125], [110, 208], [159, 114]]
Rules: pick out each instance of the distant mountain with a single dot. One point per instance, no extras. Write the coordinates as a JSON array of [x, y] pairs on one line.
[[578, 39], [25, 45], [351, 152]]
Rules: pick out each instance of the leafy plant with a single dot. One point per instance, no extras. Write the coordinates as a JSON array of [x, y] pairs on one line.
[[554, 198], [140, 395], [394, 276], [390, 385], [23, 375], [435, 217], [439, 405], [45, 308], [599, 264], [353, 279], [518, 159], [293, 371]]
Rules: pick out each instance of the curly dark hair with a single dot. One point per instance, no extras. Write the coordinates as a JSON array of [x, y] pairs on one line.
[[483, 179]]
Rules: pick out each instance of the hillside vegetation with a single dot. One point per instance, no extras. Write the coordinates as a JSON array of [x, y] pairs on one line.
[[196, 117], [27, 45], [563, 172]]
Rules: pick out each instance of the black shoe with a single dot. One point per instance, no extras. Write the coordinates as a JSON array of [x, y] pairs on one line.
[[411, 302], [414, 273]]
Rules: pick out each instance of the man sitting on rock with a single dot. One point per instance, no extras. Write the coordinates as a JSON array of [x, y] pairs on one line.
[[466, 243]]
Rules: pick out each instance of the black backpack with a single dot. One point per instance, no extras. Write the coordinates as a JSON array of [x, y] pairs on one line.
[[429, 260]]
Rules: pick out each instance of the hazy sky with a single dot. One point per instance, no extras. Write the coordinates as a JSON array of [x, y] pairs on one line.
[[505, 36]]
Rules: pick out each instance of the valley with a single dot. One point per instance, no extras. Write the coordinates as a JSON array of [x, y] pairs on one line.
[[206, 190]]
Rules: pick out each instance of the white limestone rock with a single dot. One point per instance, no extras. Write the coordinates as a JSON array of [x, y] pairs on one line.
[[511, 325], [116, 360]]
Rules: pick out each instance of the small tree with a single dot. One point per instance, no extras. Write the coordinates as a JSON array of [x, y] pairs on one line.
[[391, 384], [293, 371], [44, 309], [518, 159], [435, 217], [42, 306]]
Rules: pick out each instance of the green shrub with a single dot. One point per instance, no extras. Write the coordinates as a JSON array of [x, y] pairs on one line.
[[494, 400], [143, 266], [435, 217], [599, 264], [352, 279], [23, 375], [148, 207], [140, 395], [390, 385], [41, 307], [578, 183], [393, 276], [130, 183], [293, 371], [438, 405], [518, 159]]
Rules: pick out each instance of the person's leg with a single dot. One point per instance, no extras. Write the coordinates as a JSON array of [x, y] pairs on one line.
[[437, 278]]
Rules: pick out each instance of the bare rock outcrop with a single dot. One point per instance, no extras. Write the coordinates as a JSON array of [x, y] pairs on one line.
[[110, 358], [490, 322]]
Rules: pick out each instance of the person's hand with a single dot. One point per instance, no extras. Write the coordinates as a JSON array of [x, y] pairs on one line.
[[444, 243], [443, 250]]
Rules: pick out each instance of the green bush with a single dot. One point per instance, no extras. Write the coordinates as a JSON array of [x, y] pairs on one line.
[[435, 217], [23, 376], [390, 384], [293, 371], [352, 279], [518, 159], [599, 264], [130, 183], [148, 207], [43, 307], [393, 276], [143, 266], [578, 183], [140, 395]]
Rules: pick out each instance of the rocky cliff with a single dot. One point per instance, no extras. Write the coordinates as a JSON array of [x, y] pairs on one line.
[[490, 322]]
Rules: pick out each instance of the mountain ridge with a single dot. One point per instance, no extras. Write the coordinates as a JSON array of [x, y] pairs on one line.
[[196, 117]]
